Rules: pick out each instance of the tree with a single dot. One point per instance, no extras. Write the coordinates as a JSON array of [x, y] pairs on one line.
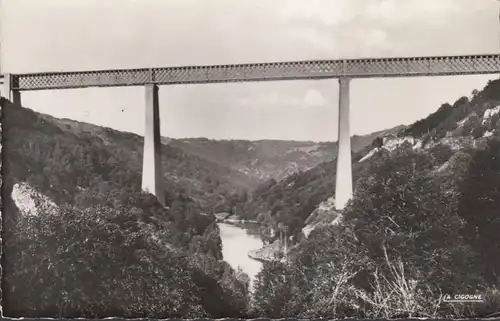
[[273, 291], [88, 259], [479, 207], [327, 267], [128, 241], [409, 211]]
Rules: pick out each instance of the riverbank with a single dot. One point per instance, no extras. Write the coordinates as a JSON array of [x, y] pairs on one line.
[[235, 221], [267, 253], [232, 219]]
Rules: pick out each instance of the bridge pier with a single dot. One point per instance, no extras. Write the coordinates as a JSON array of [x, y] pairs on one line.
[[343, 186], [6, 91], [152, 176]]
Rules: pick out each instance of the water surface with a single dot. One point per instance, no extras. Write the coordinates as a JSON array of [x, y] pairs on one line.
[[236, 243]]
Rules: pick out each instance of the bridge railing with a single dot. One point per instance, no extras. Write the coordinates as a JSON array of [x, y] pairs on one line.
[[293, 70]]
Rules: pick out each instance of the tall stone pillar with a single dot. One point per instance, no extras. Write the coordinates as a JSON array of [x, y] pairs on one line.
[[6, 90], [343, 186], [152, 177]]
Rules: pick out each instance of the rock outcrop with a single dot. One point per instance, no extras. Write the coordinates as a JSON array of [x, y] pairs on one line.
[[221, 216], [267, 253], [324, 215], [30, 202]]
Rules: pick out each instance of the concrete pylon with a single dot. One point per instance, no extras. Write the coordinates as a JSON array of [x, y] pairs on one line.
[[343, 186], [152, 177]]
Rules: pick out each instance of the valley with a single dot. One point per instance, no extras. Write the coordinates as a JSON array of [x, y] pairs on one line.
[[74, 213]]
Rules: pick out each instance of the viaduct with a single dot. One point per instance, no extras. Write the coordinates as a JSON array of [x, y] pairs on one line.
[[342, 69]]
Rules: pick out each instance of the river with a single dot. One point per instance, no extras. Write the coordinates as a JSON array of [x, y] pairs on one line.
[[236, 243]]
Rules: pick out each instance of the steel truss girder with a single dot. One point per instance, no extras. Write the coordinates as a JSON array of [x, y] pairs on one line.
[[297, 70]]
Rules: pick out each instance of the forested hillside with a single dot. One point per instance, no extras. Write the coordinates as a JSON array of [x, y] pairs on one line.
[[270, 159], [76, 217], [292, 200], [451, 127], [81, 239], [78, 155], [78, 230], [424, 222]]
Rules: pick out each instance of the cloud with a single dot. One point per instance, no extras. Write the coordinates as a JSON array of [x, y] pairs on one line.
[[314, 98], [178, 32], [404, 11], [329, 13], [56, 35], [279, 99], [270, 99]]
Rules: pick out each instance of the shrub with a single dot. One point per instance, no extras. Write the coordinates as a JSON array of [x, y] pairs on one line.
[[88, 263], [479, 203], [412, 213]]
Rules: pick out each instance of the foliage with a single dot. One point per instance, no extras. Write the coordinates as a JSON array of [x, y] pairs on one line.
[[479, 207], [424, 126], [398, 249], [274, 291], [96, 263], [491, 91], [423, 222], [292, 200], [111, 250], [74, 156]]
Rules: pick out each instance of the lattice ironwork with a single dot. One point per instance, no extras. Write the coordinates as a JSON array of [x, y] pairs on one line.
[[352, 68], [64, 80]]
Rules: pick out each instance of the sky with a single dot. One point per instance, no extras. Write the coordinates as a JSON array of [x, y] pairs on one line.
[[64, 35]]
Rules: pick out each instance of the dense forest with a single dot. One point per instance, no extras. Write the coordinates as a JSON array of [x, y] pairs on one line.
[[424, 221]]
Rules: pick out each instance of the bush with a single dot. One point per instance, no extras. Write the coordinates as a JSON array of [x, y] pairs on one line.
[[478, 132], [98, 262], [492, 90], [424, 126], [412, 213], [479, 204], [274, 295]]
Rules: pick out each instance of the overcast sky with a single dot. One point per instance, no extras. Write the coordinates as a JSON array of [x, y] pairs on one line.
[[54, 35]]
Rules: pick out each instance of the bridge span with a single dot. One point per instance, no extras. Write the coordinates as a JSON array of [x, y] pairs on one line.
[[343, 69]]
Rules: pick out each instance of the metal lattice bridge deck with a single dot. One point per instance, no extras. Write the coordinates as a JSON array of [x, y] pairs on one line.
[[343, 69], [295, 70]]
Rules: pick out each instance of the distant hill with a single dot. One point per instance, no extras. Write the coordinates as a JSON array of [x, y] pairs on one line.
[[201, 166], [183, 172], [209, 171], [266, 159]]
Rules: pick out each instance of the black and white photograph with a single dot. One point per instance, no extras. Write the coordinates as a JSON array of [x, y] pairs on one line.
[[250, 159]]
